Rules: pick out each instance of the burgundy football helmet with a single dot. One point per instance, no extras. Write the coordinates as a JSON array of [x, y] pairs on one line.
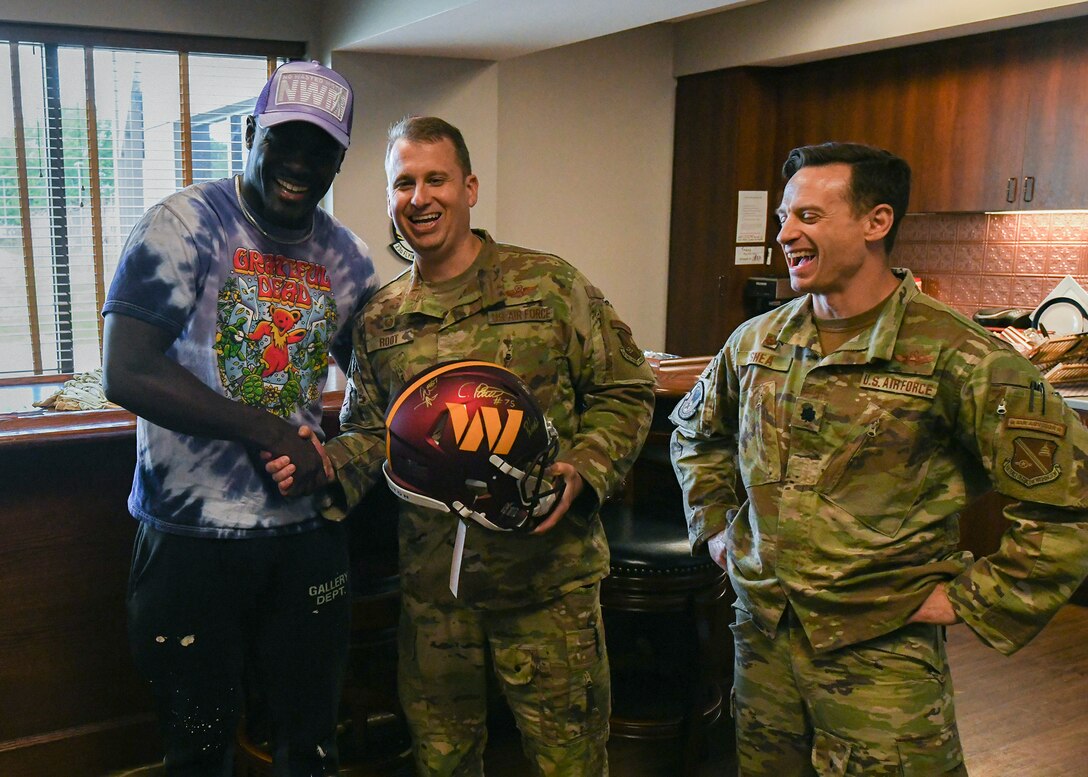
[[468, 437]]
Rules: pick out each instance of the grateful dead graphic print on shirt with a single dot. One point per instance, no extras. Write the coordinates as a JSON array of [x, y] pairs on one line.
[[273, 319]]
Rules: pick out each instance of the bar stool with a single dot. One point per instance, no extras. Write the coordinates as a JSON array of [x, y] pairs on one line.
[[665, 616], [666, 612]]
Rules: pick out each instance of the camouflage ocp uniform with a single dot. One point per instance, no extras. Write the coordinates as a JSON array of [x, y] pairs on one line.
[[531, 602], [855, 466]]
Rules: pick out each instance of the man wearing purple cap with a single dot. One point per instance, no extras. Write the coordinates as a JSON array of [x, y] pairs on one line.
[[229, 299]]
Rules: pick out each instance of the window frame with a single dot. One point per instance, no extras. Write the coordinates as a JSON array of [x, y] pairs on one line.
[[17, 34]]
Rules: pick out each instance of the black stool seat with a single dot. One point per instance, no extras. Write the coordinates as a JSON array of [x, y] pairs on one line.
[[651, 543]]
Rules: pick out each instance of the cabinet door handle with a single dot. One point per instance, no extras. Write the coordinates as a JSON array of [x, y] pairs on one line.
[[1029, 188], [1010, 190]]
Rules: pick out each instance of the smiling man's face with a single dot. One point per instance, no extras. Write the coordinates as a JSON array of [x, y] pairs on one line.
[[289, 169], [823, 240], [430, 197]]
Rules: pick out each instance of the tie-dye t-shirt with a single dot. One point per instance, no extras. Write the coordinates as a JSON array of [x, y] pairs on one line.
[[257, 311]]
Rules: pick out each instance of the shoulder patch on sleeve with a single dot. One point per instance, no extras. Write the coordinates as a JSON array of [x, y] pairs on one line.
[[1032, 461], [692, 402], [629, 350]]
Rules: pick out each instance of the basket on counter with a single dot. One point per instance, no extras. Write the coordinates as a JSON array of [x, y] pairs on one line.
[[1064, 363]]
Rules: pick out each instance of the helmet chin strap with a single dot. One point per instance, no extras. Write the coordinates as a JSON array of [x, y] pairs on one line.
[[480, 518], [416, 498], [543, 507], [412, 496]]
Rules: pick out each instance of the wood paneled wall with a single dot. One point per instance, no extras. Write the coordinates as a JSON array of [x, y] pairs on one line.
[[725, 139]]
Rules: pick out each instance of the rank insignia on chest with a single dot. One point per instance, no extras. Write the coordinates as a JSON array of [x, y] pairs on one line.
[[1032, 461], [808, 415]]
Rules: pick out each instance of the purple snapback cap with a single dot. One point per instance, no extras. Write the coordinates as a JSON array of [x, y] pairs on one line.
[[307, 91]]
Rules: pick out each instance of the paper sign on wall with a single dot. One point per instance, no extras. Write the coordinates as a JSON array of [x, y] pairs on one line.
[[749, 255], [751, 217]]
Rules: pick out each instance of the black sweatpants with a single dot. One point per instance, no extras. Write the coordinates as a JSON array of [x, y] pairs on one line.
[[207, 614]]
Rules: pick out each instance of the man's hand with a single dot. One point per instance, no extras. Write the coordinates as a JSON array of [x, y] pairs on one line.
[[573, 485], [717, 548], [936, 609], [293, 478]]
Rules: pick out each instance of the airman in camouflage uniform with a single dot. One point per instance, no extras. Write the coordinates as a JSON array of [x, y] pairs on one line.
[[855, 461], [528, 603]]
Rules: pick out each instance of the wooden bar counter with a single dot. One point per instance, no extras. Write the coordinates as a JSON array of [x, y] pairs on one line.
[[72, 703]]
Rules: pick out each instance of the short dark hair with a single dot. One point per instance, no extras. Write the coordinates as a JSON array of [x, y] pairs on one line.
[[877, 177], [428, 129]]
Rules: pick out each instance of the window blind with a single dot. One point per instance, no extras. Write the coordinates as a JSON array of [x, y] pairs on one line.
[[93, 133]]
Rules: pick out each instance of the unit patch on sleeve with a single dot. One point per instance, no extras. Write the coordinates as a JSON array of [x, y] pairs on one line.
[[628, 349], [1032, 461], [691, 403]]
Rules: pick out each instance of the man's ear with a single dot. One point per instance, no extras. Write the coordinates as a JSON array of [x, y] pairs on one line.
[[878, 222], [472, 183]]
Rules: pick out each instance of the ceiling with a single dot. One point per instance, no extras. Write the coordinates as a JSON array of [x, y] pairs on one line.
[[502, 29]]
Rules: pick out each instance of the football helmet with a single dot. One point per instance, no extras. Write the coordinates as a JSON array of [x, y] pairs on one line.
[[468, 437]]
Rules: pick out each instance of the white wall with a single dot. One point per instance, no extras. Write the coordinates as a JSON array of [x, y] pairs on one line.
[[585, 165], [388, 87], [349, 21], [573, 149]]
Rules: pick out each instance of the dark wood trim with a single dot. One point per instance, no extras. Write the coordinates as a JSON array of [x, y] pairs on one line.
[[95, 192], [24, 210], [91, 729], [26, 430]]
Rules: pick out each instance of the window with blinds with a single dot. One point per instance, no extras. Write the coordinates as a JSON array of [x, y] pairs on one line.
[[94, 129]]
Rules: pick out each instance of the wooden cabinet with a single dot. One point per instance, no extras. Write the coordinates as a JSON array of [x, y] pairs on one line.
[[1010, 116], [1055, 153], [987, 122], [971, 128], [878, 99]]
